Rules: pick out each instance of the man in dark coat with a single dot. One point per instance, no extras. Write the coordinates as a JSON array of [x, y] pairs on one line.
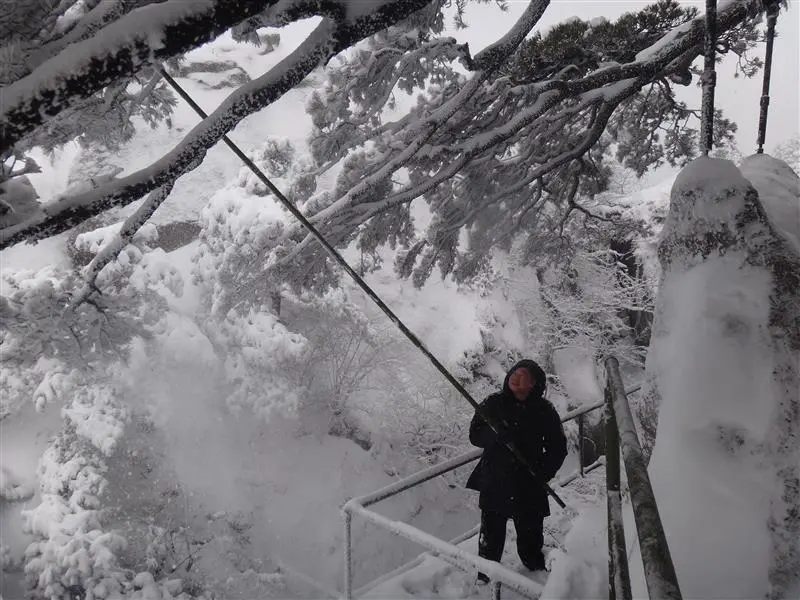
[[507, 491]]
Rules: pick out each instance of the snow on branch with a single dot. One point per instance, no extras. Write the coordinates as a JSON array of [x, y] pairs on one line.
[[152, 33], [110, 252], [327, 40], [494, 54], [157, 32], [95, 19], [472, 126]]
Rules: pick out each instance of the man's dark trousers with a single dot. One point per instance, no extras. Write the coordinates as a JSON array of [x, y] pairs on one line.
[[530, 538]]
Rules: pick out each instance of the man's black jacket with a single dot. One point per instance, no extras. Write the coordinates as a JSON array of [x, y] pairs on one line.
[[534, 427]]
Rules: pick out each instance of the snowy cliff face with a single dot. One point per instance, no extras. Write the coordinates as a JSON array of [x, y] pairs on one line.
[[723, 362]]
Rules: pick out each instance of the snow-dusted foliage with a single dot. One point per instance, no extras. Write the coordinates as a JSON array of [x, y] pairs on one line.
[[585, 305], [789, 152], [242, 226], [241, 298], [104, 48], [62, 353], [72, 554], [517, 148], [45, 344], [513, 123], [723, 369]]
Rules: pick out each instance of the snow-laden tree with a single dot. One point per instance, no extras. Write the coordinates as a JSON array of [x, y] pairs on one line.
[[245, 328], [100, 46], [514, 149], [486, 120], [789, 152], [35, 31], [64, 350]]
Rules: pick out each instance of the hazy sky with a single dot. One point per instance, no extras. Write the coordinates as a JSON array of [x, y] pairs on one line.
[[737, 97]]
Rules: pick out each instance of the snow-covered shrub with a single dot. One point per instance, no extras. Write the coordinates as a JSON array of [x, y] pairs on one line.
[[239, 230], [75, 355], [46, 340], [72, 554], [345, 356], [255, 348], [12, 490]]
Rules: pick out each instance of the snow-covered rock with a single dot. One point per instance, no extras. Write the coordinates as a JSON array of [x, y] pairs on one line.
[[779, 191], [723, 362]]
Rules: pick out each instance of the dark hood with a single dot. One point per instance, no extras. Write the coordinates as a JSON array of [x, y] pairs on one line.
[[538, 375]]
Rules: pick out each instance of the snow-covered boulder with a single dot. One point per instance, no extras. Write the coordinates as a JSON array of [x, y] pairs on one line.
[[779, 191], [723, 364]]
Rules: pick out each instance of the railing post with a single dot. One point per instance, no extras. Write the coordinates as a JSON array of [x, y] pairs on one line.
[[348, 555], [580, 443], [659, 571], [619, 585]]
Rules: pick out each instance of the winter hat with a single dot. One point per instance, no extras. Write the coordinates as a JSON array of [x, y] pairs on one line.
[[539, 377]]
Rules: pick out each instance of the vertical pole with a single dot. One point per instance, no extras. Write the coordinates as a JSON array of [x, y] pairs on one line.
[[772, 16], [619, 585], [348, 555], [580, 443], [496, 589], [709, 79]]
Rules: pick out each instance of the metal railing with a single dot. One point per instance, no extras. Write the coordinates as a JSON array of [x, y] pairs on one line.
[[621, 436], [448, 551]]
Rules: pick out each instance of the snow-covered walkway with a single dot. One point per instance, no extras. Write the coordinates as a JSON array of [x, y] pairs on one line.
[[434, 578]]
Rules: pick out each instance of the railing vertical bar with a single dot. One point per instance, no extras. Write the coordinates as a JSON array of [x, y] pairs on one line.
[[619, 583], [496, 585], [580, 443], [659, 571], [348, 555]]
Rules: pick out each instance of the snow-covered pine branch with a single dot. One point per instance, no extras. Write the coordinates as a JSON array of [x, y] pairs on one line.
[[157, 32], [529, 135], [153, 34], [124, 236]]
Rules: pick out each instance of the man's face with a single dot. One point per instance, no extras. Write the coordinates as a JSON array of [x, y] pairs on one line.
[[521, 383]]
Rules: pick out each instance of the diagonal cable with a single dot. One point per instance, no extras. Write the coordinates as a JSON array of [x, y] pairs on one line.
[[490, 421]]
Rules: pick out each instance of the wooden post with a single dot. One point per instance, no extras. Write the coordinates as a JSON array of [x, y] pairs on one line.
[[659, 571], [580, 443], [619, 584], [348, 555]]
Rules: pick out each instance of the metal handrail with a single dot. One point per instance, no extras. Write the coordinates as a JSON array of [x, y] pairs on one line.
[[561, 483], [659, 571], [453, 554]]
